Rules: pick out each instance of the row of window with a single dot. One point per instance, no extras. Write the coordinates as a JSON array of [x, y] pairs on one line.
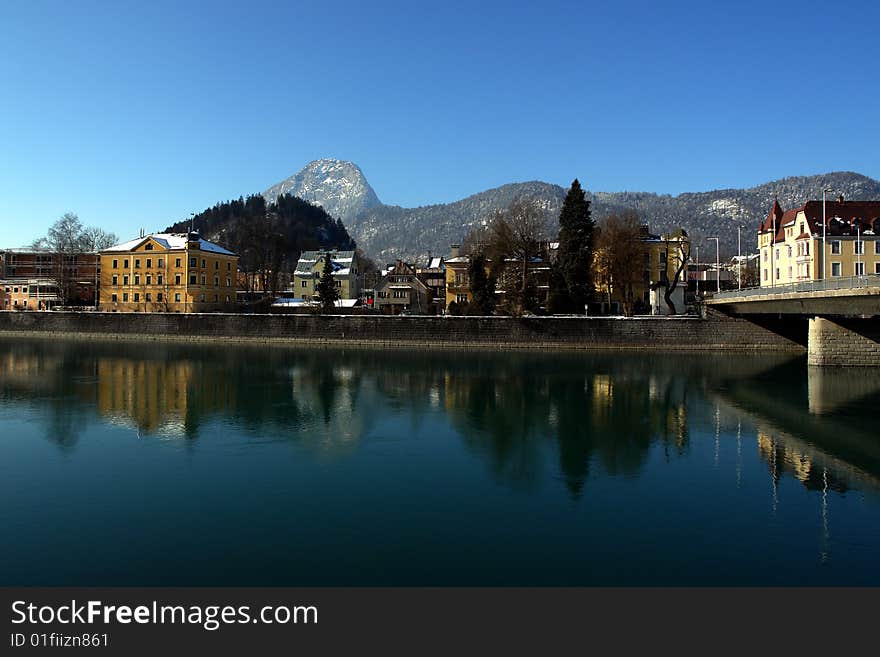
[[836, 270], [160, 263], [305, 283], [160, 280], [148, 297], [836, 248]]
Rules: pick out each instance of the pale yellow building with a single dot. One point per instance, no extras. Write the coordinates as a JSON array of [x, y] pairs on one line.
[[310, 266], [168, 272], [791, 244]]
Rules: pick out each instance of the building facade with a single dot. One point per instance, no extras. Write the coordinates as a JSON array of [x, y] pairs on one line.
[[310, 266], [168, 272], [402, 290], [40, 280], [818, 241]]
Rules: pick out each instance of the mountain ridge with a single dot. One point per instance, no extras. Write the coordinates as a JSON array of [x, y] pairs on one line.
[[387, 232]]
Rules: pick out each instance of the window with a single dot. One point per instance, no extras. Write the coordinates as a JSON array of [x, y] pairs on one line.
[[137, 279], [137, 263], [113, 298], [125, 296], [149, 263], [177, 279], [835, 269], [777, 253], [462, 298], [228, 266], [147, 297], [203, 263], [877, 267], [159, 279], [216, 281], [877, 247], [835, 247], [806, 248], [204, 280], [177, 297], [192, 279], [148, 247], [149, 280], [789, 250], [137, 297], [859, 247], [789, 271], [159, 296], [227, 296], [216, 298], [115, 279], [777, 273], [160, 263], [115, 264], [192, 262], [125, 280], [802, 228], [216, 264], [202, 297], [229, 282], [125, 264], [859, 269], [304, 283], [177, 262]]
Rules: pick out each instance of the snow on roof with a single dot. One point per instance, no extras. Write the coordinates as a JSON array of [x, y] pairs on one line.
[[170, 241], [301, 303]]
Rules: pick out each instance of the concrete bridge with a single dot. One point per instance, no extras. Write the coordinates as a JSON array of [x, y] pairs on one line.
[[837, 320]]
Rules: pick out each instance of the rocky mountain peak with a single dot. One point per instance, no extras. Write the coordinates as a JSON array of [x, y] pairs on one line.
[[338, 186]]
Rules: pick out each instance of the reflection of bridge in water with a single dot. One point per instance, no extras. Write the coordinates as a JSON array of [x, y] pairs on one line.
[[823, 426]]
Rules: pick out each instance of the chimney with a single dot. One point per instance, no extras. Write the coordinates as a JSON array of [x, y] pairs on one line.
[[840, 199], [454, 250]]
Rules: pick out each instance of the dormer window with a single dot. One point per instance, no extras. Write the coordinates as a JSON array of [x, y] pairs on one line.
[[149, 246]]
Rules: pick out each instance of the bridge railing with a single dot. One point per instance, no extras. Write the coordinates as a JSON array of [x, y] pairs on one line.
[[836, 283]]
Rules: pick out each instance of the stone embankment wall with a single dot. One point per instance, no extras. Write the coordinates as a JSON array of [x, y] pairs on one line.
[[844, 342], [667, 334]]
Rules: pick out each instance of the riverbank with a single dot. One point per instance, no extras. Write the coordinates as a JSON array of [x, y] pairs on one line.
[[715, 333]]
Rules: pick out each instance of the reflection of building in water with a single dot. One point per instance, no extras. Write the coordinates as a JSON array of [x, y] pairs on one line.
[[783, 457], [159, 396]]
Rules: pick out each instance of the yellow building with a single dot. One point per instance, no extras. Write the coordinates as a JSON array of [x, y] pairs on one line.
[[661, 257], [458, 287], [168, 272], [791, 243]]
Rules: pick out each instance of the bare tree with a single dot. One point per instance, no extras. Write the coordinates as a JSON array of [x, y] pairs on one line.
[[516, 233], [95, 239], [620, 257], [678, 245]]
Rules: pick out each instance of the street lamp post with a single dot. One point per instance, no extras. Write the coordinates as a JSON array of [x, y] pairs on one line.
[[739, 257], [698, 272], [824, 232], [717, 262]]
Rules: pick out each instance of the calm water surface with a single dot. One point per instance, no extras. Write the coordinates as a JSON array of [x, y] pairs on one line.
[[172, 465]]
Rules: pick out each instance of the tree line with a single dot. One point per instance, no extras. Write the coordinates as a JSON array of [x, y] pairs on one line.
[[592, 260]]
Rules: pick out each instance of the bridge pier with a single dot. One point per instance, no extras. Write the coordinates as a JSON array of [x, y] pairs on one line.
[[843, 342]]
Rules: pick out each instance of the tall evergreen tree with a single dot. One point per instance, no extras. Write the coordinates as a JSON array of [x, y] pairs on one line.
[[326, 288], [482, 286], [575, 260]]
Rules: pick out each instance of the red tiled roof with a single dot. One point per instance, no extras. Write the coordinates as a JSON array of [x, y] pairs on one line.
[[842, 217]]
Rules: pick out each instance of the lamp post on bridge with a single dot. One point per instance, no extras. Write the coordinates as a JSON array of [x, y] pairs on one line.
[[824, 232], [717, 263]]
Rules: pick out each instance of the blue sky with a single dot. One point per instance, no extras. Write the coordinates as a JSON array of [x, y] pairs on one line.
[[134, 114]]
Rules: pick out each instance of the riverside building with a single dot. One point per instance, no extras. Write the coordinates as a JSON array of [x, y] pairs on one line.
[[819, 241], [168, 272]]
